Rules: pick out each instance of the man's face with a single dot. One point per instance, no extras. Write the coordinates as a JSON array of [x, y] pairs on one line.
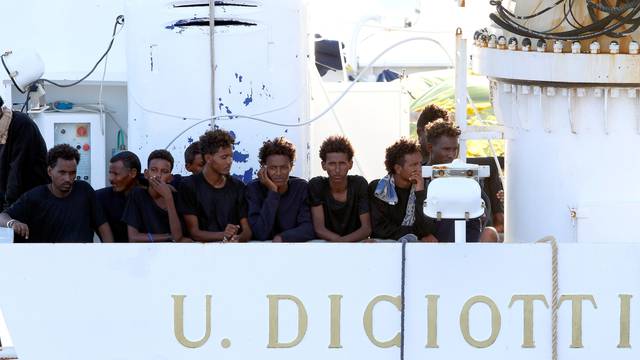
[[196, 165], [221, 161], [443, 150], [160, 169], [278, 169], [63, 174], [337, 166], [120, 177], [412, 165]]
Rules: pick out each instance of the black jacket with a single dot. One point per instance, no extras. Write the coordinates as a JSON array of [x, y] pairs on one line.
[[23, 159]]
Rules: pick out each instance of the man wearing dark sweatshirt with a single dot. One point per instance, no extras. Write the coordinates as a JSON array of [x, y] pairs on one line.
[[397, 199], [278, 203]]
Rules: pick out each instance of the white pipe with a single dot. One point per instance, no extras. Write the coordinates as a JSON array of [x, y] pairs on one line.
[[461, 88], [212, 21]]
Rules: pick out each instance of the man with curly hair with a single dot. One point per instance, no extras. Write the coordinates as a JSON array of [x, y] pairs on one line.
[[430, 114], [339, 202], [442, 137], [64, 211], [213, 201], [397, 199], [278, 203]]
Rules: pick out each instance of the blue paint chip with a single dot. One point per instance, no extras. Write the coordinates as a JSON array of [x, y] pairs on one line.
[[240, 78], [248, 100], [240, 157], [190, 140], [227, 109], [233, 134]]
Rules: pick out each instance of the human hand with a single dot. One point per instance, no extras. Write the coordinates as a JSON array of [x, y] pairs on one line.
[[417, 179], [21, 229], [230, 231], [265, 180], [429, 239], [161, 187], [277, 239]]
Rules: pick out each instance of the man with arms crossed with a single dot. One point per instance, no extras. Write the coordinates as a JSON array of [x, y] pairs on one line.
[[339, 202]]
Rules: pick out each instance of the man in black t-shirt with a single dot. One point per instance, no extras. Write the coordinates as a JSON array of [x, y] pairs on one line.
[[339, 202], [124, 169], [151, 214], [61, 212], [397, 199], [212, 201]]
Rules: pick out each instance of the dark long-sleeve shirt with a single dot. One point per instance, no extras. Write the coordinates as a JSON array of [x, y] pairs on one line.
[[23, 160], [387, 219], [287, 215]]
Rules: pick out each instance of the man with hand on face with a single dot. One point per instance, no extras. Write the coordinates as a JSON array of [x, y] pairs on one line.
[[339, 202], [278, 203], [124, 169], [397, 199], [151, 213], [65, 211], [213, 202]]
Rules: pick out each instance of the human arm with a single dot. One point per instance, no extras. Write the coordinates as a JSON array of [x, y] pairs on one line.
[[18, 227], [423, 226], [137, 236], [167, 193], [303, 229], [104, 231], [261, 210], [317, 216]]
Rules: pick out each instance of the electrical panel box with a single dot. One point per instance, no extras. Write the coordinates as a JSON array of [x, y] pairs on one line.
[[85, 132]]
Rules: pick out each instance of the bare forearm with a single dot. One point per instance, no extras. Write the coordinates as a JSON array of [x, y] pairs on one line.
[[174, 221], [326, 234], [105, 233], [362, 233]]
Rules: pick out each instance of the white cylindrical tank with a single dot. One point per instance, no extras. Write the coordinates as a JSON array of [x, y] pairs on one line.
[[572, 128], [261, 58]]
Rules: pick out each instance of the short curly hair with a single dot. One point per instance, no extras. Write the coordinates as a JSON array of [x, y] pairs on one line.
[[277, 146], [430, 114], [396, 152], [62, 151], [336, 144], [214, 140], [439, 128], [160, 154]]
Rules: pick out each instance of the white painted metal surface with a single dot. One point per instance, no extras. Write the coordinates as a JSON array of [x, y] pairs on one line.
[[85, 132], [572, 132], [64, 301], [261, 60]]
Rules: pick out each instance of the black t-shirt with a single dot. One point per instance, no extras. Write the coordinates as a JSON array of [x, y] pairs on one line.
[[342, 218], [113, 204], [387, 219], [215, 208], [72, 219], [145, 215]]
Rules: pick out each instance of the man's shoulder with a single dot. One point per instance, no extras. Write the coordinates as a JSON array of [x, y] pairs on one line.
[[104, 192], [236, 183], [318, 181], [297, 182], [358, 180], [83, 186], [37, 192]]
